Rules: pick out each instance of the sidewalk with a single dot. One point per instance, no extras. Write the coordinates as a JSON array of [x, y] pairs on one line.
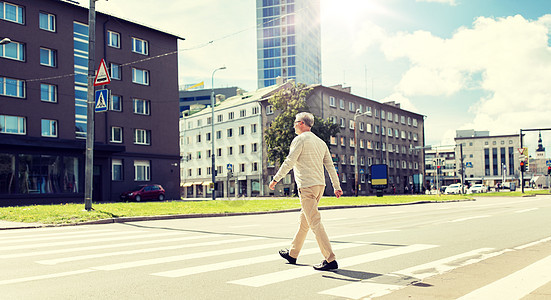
[[19, 225]]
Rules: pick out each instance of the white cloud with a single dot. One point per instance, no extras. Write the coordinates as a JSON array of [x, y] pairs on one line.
[[404, 102], [512, 55]]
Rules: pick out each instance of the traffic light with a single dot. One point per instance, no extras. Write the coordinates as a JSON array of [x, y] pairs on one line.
[[438, 170], [549, 170], [522, 166]]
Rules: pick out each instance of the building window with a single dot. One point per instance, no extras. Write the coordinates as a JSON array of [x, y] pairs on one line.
[[333, 140], [342, 123], [242, 168], [241, 149], [49, 128], [369, 128], [403, 119], [253, 128], [269, 109], [220, 118], [116, 134], [47, 21], [230, 115], [414, 122], [47, 57], [198, 138], [140, 76], [13, 50], [12, 87], [141, 107], [48, 92], [255, 166], [140, 46], [116, 103], [341, 103], [229, 132], [241, 130], [141, 170], [242, 113], [332, 101], [218, 134], [116, 71], [254, 147], [113, 39], [255, 110], [230, 150], [362, 125], [116, 170], [142, 137], [351, 106], [11, 12], [13, 125], [219, 152]]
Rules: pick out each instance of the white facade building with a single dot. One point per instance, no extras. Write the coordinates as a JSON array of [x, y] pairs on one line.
[[237, 143]]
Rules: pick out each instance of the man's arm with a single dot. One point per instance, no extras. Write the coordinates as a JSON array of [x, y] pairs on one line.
[[294, 153], [328, 163]]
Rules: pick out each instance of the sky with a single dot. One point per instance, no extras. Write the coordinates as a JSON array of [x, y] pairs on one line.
[[463, 64]]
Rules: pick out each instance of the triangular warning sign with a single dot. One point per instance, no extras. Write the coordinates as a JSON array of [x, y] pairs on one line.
[[101, 102], [102, 76]]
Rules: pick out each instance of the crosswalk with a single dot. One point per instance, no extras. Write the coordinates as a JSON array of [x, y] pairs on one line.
[[58, 253]]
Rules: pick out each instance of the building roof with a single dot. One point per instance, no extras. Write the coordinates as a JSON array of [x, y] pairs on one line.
[[246, 97]]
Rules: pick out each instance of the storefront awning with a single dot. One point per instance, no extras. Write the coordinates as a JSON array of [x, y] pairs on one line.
[[187, 184], [207, 182]]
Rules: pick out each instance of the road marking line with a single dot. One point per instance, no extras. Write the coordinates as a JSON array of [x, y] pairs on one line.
[[516, 285], [533, 243], [469, 218], [147, 250], [363, 233], [370, 288], [245, 226], [87, 241], [84, 249], [46, 236], [47, 276], [167, 259], [241, 262], [526, 210], [275, 277], [64, 237]]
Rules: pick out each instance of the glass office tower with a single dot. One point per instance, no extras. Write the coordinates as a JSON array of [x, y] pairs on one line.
[[288, 41]]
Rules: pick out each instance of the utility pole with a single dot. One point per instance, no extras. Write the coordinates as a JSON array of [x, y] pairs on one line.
[[89, 169], [462, 169]]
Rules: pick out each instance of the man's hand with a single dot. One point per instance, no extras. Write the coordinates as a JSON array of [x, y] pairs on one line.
[[272, 185], [338, 193]]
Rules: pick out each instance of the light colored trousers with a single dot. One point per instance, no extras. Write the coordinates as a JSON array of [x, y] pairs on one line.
[[310, 218]]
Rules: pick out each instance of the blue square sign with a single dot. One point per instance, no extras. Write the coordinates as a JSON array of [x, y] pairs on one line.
[[102, 100]]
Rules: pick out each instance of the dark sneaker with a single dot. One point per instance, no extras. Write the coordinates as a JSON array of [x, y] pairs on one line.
[[285, 254], [325, 266]]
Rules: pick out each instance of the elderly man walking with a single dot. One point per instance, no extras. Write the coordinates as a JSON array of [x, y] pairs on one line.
[[308, 155]]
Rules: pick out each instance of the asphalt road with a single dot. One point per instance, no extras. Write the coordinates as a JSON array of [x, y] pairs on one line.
[[492, 248]]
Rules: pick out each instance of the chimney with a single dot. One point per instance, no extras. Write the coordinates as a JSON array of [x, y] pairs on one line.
[[239, 92], [280, 80]]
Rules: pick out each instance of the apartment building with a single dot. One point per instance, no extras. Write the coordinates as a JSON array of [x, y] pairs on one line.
[[43, 105], [385, 134], [238, 143]]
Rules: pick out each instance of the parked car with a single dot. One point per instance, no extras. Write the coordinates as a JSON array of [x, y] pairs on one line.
[[453, 189], [477, 188], [145, 192]]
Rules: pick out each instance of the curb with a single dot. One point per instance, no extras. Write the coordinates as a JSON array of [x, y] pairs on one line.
[[193, 216]]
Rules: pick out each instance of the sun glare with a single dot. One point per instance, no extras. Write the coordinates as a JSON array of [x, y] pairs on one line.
[[351, 10]]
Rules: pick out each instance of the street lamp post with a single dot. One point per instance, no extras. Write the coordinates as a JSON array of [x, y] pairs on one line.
[[213, 170], [356, 145], [5, 41]]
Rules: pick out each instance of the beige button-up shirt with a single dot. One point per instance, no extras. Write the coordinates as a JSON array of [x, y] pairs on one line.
[[308, 155]]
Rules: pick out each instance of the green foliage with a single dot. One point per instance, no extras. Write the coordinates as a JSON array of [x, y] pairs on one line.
[[288, 103]]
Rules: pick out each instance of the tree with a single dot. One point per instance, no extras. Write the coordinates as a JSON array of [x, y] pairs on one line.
[[289, 102]]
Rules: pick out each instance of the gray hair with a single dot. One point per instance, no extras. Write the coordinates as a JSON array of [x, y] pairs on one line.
[[305, 117]]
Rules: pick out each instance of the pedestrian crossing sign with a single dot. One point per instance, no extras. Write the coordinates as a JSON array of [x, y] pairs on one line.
[[102, 100]]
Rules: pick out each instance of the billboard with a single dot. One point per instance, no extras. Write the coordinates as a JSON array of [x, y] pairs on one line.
[[379, 176]]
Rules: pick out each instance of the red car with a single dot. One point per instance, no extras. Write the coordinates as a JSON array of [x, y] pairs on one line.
[[145, 192]]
